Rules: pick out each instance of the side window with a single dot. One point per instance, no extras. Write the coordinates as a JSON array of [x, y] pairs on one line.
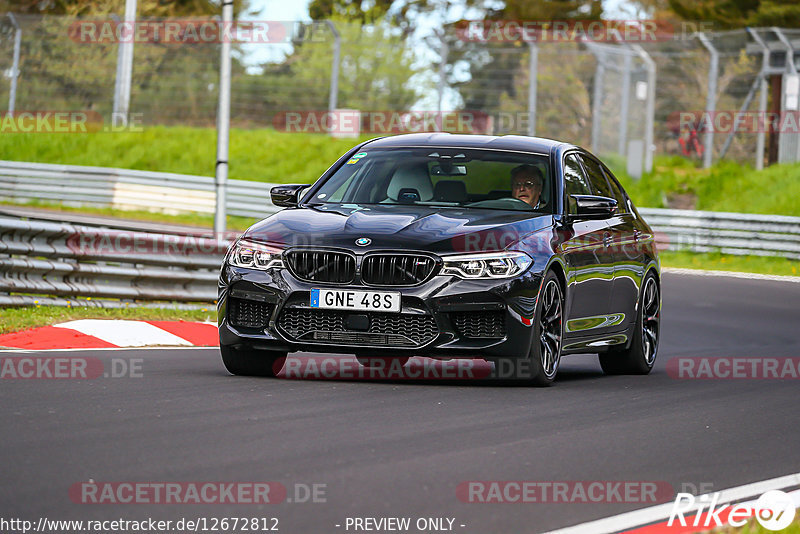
[[596, 177], [575, 182], [618, 193]]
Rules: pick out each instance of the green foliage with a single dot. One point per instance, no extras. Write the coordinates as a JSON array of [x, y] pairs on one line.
[[739, 13], [270, 156], [144, 8], [261, 155], [375, 66], [727, 262], [726, 186]]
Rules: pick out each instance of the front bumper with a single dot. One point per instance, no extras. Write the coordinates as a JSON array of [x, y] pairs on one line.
[[445, 317]]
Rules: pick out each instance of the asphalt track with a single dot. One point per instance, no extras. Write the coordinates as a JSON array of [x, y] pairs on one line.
[[400, 449]]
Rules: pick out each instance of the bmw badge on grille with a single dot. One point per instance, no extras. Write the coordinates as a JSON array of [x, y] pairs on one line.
[[363, 241]]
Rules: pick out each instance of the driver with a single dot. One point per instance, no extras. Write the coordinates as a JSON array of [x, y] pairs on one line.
[[526, 184]]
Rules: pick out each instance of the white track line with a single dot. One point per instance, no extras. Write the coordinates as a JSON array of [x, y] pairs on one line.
[[661, 512], [732, 274], [101, 349], [125, 333]]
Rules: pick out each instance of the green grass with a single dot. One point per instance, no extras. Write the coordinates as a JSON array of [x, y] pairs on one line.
[[17, 319], [729, 262], [726, 186], [193, 219], [263, 155]]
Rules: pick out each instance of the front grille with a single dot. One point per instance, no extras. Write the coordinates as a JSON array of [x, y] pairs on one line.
[[248, 313], [480, 324], [321, 265], [396, 269], [385, 329]]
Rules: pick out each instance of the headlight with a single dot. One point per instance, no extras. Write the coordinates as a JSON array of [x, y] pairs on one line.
[[487, 265], [254, 255]]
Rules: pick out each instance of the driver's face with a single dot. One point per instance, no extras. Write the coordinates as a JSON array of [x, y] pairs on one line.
[[526, 187]]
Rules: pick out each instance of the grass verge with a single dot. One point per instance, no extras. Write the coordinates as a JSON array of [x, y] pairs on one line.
[[728, 262], [191, 219], [263, 155], [17, 319]]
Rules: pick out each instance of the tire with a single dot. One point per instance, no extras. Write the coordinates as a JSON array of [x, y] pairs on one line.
[[639, 357], [541, 366], [378, 362], [251, 362]]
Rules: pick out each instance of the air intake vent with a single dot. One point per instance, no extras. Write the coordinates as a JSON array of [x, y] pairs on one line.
[[480, 324], [396, 269], [322, 266], [385, 329], [248, 313]]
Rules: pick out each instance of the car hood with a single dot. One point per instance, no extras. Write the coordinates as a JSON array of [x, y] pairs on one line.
[[435, 229]]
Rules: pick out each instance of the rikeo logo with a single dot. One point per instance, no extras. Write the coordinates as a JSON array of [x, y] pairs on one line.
[[774, 510]]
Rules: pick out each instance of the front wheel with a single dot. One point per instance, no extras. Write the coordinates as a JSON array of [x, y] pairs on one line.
[[251, 362], [541, 365], [639, 357]]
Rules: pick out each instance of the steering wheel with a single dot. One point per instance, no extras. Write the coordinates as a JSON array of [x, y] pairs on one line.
[[508, 203]]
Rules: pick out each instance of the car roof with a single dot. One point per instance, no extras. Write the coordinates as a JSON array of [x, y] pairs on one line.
[[520, 143]]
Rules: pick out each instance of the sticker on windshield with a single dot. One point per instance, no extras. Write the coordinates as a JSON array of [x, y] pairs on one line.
[[355, 158]]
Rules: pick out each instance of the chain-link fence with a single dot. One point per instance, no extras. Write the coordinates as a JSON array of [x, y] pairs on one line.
[[700, 95]]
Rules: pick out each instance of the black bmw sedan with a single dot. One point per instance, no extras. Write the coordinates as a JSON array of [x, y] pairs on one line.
[[517, 250]]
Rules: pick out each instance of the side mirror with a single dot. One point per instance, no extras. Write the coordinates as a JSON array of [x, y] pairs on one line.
[[286, 196], [593, 207]]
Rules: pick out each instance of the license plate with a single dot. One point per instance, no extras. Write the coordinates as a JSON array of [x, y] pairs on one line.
[[346, 299]]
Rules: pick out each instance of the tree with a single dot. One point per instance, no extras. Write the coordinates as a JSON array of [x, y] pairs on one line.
[[740, 13], [375, 66], [145, 8]]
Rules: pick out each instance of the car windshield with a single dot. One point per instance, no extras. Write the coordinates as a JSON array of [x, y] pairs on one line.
[[445, 177]]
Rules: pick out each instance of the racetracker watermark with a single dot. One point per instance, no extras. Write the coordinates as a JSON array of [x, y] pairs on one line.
[[196, 492], [561, 31], [350, 122], [733, 368], [178, 31], [68, 368], [177, 492], [68, 122], [740, 121], [110, 242], [564, 492]]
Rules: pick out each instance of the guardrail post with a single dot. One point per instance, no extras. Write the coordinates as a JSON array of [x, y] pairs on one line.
[[12, 94], [789, 142], [444, 51], [597, 100], [223, 124], [711, 98], [650, 113], [122, 85], [622, 145], [533, 71], [762, 99], [337, 48]]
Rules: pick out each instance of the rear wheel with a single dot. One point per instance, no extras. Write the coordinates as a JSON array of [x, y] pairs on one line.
[[639, 357], [251, 362], [541, 365]]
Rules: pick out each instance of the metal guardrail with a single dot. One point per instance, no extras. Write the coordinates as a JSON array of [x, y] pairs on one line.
[[729, 233], [116, 265], [130, 189], [104, 267]]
